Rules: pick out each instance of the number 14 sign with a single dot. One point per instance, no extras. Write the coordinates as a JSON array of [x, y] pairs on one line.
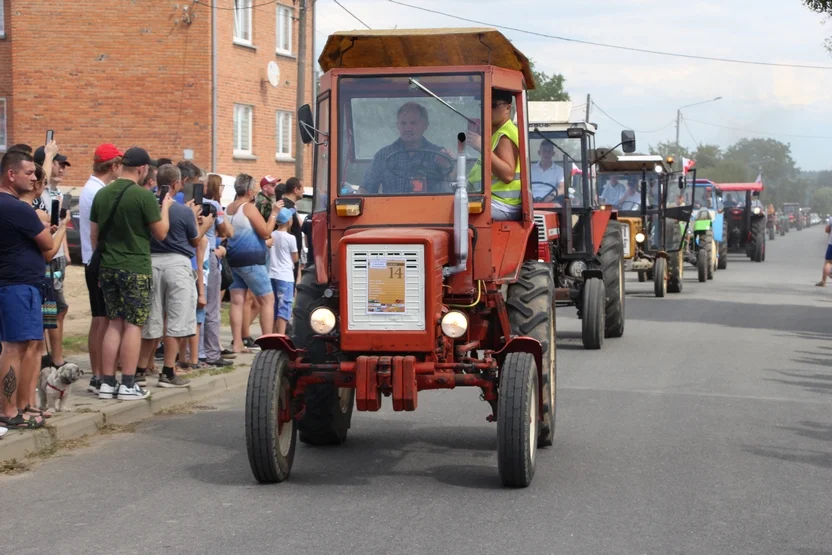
[[386, 285]]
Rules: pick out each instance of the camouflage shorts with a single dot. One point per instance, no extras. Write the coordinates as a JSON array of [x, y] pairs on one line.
[[126, 295]]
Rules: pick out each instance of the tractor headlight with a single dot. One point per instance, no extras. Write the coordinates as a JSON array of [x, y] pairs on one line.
[[756, 210], [322, 320], [576, 269], [454, 324], [640, 237]]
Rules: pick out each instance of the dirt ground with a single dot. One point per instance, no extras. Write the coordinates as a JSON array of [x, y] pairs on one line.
[[77, 320]]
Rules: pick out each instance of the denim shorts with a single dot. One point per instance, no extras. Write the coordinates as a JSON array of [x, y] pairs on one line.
[[284, 298], [21, 315], [829, 253], [255, 278], [200, 316]]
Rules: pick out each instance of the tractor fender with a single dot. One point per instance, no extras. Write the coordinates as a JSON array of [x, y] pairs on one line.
[[662, 254], [277, 342], [523, 344]]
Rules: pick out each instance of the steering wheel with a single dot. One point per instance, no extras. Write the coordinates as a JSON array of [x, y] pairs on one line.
[[428, 169], [552, 189], [636, 206]]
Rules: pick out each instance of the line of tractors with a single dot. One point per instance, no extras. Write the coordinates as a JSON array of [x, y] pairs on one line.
[[417, 284]]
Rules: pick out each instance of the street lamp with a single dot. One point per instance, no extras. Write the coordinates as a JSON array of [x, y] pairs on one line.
[[679, 115]]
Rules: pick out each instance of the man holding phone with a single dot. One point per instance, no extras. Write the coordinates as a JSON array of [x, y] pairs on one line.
[[55, 201]]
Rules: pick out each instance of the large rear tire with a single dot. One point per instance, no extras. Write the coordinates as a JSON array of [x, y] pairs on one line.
[[675, 258], [758, 240], [531, 312], [722, 259], [328, 410], [592, 314], [660, 277], [270, 443], [611, 255], [517, 420]]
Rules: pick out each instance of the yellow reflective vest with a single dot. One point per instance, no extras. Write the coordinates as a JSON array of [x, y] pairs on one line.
[[507, 193]]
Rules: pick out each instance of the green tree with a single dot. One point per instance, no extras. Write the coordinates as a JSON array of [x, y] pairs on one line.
[[547, 87], [772, 156], [725, 171], [822, 200], [669, 148], [823, 7], [707, 156]]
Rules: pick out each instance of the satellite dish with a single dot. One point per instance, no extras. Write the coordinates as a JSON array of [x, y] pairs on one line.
[[273, 73]]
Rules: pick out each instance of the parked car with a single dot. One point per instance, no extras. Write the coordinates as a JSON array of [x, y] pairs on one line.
[[73, 235]]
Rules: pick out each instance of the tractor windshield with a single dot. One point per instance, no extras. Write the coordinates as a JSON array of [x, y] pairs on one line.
[[557, 166], [623, 190], [396, 139], [702, 198]]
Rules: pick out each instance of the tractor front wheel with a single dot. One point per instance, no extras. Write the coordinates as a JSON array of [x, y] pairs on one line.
[[642, 276], [722, 259], [660, 277], [757, 247], [702, 264], [271, 435], [531, 312], [517, 420], [592, 313]]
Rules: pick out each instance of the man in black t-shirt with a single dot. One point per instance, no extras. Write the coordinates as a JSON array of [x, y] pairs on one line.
[[292, 193]]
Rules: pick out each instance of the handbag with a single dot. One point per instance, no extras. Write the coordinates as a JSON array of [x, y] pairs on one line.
[[95, 260], [227, 276]]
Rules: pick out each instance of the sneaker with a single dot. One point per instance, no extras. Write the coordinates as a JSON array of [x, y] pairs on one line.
[[249, 343], [227, 353], [160, 353], [94, 386], [106, 391], [141, 378], [134, 393], [219, 363], [175, 381]]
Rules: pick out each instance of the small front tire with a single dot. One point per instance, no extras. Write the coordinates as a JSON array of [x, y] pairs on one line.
[[517, 420], [593, 313]]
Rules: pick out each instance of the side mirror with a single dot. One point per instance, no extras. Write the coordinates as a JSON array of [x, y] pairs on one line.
[[306, 124], [628, 141]]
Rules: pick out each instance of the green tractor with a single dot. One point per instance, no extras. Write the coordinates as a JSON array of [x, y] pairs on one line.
[[706, 250]]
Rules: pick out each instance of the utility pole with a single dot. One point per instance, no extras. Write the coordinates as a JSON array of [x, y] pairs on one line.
[[301, 85], [588, 102], [678, 119]]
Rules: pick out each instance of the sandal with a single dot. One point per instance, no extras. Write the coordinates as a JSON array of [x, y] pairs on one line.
[[38, 412], [19, 422], [820, 284]]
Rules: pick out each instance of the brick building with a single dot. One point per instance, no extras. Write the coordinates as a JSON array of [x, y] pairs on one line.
[[139, 72]]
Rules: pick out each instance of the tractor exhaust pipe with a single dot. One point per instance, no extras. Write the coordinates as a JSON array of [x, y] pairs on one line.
[[460, 212]]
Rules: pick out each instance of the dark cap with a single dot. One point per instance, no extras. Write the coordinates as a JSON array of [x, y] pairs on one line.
[[498, 95], [40, 157], [135, 157]]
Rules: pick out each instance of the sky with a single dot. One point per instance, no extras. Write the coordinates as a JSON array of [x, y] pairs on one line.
[[643, 91]]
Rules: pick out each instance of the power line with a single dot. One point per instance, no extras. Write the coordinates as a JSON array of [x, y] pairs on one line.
[[614, 46], [761, 132], [689, 131], [626, 126], [352, 14]]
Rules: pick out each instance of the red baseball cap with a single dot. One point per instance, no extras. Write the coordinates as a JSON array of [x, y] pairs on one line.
[[269, 180], [106, 152]]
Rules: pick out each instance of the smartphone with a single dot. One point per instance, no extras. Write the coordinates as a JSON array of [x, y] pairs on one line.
[[163, 191], [56, 211], [66, 202], [198, 191], [49, 136]]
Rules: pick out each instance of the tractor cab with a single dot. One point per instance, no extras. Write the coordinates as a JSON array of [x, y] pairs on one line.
[[746, 217]]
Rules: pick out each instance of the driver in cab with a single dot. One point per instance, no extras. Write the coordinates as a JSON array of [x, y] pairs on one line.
[[547, 177], [632, 198], [408, 165]]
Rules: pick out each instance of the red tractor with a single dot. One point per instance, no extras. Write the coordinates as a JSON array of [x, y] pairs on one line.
[[584, 242], [415, 285], [746, 219]]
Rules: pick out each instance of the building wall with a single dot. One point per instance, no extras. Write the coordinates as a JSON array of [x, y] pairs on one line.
[[243, 79], [6, 71], [121, 71]]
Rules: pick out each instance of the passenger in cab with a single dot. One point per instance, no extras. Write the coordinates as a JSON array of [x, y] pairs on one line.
[[408, 165], [505, 161], [547, 177]]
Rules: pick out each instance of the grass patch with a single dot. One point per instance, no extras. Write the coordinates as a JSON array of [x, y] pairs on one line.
[[184, 408], [225, 314], [14, 466], [75, 344], [118, 428]]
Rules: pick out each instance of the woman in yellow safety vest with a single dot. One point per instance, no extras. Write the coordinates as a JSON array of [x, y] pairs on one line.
[[505, 163]]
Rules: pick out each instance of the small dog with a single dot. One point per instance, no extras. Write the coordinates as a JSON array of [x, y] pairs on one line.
[[55, 384]]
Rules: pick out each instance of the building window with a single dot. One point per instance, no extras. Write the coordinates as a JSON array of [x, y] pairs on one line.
[[242, 129], [2, 21], [242, 21], [3, 142], [284, 135], [284, 30]]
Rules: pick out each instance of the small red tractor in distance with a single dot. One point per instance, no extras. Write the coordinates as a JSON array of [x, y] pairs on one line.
[[746, 217], [584, 243], [414, 286]]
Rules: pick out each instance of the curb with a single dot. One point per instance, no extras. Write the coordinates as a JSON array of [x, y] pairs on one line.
[[30, 442]]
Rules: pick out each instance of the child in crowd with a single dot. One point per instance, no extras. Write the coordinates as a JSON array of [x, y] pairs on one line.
[[282, 260]]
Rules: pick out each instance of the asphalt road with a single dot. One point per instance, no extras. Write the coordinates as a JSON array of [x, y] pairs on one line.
[[706, 429]]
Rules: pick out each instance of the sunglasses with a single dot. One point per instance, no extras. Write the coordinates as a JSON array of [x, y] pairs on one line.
[[498, 104]]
